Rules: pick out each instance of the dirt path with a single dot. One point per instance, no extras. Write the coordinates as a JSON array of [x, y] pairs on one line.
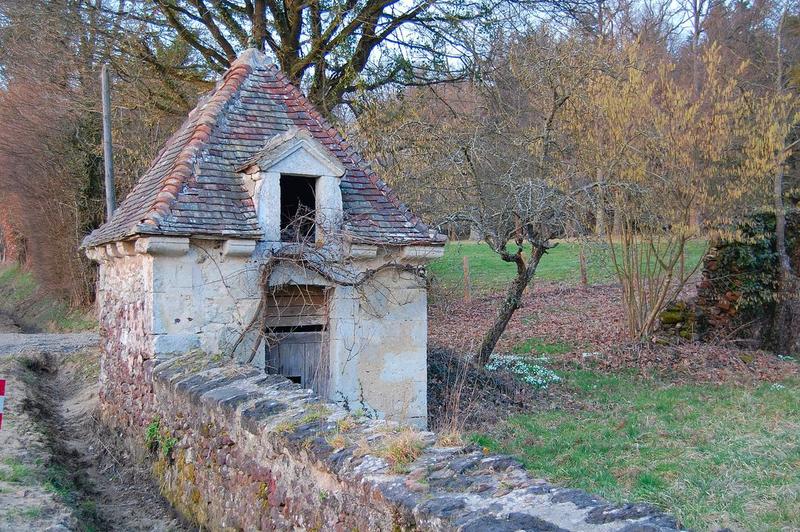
[[15, 343], [26, 502], [59, 468]]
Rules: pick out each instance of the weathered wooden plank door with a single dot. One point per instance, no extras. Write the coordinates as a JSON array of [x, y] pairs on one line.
[[297, 331], [299, 355]]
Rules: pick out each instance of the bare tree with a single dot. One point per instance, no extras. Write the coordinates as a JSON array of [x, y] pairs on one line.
[[494, 154], [334, 49]]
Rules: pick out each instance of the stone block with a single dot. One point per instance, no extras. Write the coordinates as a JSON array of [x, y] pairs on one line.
[[172, 273], [174, 344], [174, 313]]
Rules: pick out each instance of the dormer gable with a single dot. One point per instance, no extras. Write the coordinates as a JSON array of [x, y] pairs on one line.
[[294, 176], [294, 151]]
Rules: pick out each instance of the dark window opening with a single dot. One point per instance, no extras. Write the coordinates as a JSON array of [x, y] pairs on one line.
[[298, 204], [296, 328], [297, 379]]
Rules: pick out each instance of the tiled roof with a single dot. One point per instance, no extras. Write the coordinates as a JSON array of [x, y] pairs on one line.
[[193, 187]]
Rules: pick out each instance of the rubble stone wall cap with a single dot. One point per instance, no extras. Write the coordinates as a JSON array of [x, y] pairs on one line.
[[444, 488]]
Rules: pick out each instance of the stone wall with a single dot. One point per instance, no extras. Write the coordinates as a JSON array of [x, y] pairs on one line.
[[235, 449], [736, 292], [125, 340]]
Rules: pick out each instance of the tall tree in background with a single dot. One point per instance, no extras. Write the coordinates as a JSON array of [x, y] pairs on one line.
[[51, 177], [772, 137], [494, 155], [50, 166], [334, 48]]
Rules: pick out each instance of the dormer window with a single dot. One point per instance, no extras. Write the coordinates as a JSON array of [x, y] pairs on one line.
[[298, 208], [294, 181]]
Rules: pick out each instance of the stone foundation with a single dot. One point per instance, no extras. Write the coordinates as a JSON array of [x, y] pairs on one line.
[[235, 449]]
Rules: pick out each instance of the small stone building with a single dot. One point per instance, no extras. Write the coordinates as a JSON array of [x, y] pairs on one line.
[[260, 233]]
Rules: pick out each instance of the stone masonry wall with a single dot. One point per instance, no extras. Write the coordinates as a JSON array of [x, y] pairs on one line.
[[236, 449], [125, 325]]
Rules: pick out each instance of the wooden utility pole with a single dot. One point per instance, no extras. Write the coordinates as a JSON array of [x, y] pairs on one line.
[[108, 161]]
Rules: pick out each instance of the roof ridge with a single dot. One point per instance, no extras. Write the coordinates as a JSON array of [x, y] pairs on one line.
[[181, 169]]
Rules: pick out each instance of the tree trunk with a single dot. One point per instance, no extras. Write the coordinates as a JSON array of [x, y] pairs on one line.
[[786, 324], [600, 211], [616, 227], [510, 303], [584, 273], [259, 30]]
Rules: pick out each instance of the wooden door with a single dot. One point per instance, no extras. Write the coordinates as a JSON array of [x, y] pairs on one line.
[[297, 345], [299, 355]]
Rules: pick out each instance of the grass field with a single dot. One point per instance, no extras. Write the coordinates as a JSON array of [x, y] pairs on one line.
[[21, 299], [488, 272], [713, 455]]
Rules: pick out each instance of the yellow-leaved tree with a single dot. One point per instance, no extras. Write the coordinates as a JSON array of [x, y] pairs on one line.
[[662, 152]]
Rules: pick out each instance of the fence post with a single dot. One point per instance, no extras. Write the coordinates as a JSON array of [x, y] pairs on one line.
[[584, 273], [467, 284]]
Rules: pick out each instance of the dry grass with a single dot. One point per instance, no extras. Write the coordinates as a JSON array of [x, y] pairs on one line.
[[401, 449], [337, 441], [346, 424], [316, 412], [450, 439]]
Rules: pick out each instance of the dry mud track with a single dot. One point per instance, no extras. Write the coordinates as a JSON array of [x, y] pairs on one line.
[[54, 344], [59, 468], [14, 342]]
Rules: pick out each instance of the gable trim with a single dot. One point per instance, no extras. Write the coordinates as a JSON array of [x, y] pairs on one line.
[[284, 145]]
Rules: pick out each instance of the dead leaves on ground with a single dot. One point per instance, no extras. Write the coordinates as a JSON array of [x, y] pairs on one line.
[[592, 320]]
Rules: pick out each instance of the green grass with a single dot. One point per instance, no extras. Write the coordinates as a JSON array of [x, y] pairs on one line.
[[33, 512], [20, 297], [489, 273], [15, 472], [713, 455]]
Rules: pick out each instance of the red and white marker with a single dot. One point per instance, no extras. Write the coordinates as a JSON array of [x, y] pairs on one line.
[[2, 399]]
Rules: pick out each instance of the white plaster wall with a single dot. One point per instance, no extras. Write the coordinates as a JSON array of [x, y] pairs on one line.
[[203, 299], [378, 339], [202, 294]]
